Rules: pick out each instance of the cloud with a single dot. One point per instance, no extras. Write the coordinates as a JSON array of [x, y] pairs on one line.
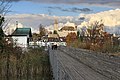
[[74, 9], [81, 10], [34, 20], [55, 8], [9, 30], [51, 27], [110, 19], [115, 3], [11, 0]]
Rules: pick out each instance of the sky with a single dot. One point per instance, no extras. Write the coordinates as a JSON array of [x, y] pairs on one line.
[[32, 13], [58, 9]]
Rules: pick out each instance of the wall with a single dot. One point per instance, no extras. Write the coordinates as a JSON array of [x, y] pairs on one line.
[[20, 40]]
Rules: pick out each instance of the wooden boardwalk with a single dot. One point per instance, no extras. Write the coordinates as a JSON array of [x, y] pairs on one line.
[[66, 67]]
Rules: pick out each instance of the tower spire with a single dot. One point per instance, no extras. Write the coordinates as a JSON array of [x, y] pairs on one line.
[[56, 24]]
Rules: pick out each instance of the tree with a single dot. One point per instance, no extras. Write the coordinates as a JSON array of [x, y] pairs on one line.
[[70, 38], [42, 31], [4, 8], [1, 33], [94, 32]]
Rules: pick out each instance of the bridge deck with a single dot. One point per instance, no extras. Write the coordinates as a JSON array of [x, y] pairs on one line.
[[75, 70]]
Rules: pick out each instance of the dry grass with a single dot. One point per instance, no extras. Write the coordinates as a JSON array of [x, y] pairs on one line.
[[107, 47], [31, 64]]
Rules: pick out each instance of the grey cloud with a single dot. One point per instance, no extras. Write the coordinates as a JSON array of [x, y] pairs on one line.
[[81, 10], [33, 20], [11, 0], [101, 2], [71, 1], [55, 8], [74, 9]]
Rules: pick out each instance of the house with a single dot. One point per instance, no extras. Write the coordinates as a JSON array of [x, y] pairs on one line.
[[66, 29], [22, 36], [53, 38]]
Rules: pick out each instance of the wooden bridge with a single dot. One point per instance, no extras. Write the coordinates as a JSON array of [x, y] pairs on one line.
[[78, 64]]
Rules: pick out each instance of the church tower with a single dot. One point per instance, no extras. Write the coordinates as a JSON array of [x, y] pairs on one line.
[[56, 25]]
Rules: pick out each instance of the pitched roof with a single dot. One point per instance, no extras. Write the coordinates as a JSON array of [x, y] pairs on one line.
[[63, 33], [22, 32], [53, 36], [67, 28]]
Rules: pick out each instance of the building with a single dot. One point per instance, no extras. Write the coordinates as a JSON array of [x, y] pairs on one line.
[[22, 36], [69, 27], [66, 29], [62, 30], [55, 39], [56, 25]]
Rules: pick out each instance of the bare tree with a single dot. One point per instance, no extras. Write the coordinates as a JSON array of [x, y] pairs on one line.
[[4, 7], [42, 31]]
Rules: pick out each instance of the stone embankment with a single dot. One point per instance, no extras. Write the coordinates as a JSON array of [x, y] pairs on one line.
[[79, 64]]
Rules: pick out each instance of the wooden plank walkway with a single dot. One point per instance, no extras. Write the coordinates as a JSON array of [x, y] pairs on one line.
[[71, 68]]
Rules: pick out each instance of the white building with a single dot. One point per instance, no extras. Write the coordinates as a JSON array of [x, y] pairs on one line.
[[22, 36]]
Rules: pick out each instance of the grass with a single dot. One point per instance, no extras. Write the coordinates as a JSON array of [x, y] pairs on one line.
[[107, 47], [30, 65]]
